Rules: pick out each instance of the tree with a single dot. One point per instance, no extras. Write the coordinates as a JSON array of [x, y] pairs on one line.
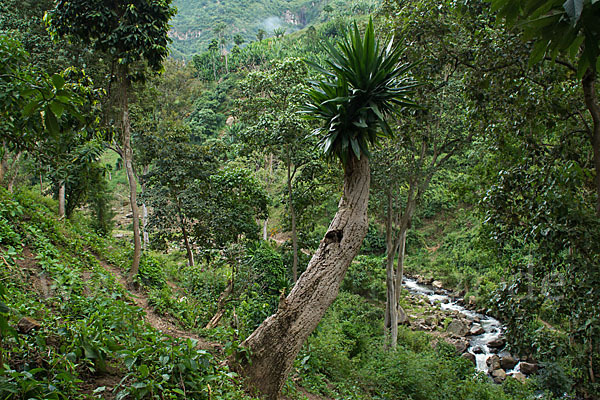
[[279, 131], [363, 84], [569, 28], [131, 32], [260, 35], [238, 39]]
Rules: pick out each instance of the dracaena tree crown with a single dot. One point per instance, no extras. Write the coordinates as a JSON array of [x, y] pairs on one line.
[[363, 83]]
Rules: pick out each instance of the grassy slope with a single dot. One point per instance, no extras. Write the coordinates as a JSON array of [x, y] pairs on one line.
[[73, 331]]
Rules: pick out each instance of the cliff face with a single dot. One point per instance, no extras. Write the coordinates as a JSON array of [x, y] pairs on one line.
[[194, 23], [176, 35]]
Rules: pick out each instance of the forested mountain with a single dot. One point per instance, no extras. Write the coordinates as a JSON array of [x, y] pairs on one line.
[[371, 200], [236, 22]]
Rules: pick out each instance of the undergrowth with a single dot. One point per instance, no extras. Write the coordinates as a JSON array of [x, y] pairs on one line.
[[82, 327]]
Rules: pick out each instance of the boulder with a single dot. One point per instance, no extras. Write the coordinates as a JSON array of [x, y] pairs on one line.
[[476, 330], [437, 284], [431, 320], [470, 357], [529, 368], [508, 362], [493, 363], [457, 328], [499, 375], [520, 377], [477, 350], [461, 346], [402, 317], [497, 343], [26, 325]]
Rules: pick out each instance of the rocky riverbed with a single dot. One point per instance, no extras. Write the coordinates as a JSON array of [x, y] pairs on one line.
[[476, 336]]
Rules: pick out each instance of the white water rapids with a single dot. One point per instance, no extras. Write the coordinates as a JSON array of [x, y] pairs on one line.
[[478, 345]]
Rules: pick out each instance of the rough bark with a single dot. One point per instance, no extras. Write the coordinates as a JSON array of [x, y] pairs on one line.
[[128, 161], [591, 102], [293, 218], [275, 343], [61, 200]]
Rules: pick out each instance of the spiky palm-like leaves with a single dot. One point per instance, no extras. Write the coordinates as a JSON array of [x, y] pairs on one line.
[[362, 85]]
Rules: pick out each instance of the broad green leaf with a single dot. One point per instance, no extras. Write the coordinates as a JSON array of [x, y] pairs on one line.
[[51, 122], [57, 108], [58, 81]]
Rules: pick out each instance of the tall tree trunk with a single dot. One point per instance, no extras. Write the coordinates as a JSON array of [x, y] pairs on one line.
[[265, 231], [128, 161], [405, 220], [293, 218], [61, 200], [188, 247], [145, 236], [400, 264], [3, 162], [186, 241], [14, 171], [391, 304], [591, 102], [275, 343]]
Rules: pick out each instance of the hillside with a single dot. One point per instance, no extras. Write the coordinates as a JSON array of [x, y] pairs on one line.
[[194, 25]]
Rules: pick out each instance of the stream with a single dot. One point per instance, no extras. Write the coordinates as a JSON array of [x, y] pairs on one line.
[[478, 345]]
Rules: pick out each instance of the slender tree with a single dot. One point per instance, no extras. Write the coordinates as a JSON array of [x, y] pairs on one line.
[[362, 85], [132, 32]]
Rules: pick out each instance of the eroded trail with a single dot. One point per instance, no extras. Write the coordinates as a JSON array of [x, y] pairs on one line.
[[159, 322]]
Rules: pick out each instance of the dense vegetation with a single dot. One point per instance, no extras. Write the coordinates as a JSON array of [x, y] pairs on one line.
[[237, 23], [155, 214]]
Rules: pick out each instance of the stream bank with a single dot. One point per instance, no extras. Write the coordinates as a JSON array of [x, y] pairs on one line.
[[476, 336]]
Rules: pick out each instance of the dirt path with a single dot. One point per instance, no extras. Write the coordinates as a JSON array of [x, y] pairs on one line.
[[161, 323]]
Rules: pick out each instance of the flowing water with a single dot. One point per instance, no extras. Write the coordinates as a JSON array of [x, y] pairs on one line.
[[478, 345]]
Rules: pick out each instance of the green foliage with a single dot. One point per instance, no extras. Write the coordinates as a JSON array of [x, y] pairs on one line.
[[138, 33], [363, 85], [374, 242], [151, 272], [366, 277], [344, 358], [88, 328], [265, 276], [557, 27], [32, 102]]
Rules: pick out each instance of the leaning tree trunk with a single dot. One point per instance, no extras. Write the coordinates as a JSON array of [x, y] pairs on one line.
[[591, 102], [128, 161], [276, 342]]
